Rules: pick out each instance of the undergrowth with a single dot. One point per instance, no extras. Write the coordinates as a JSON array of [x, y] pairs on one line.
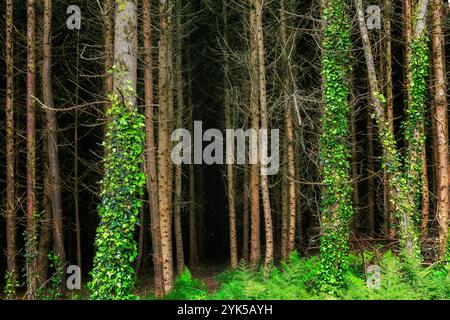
[[298, 280]]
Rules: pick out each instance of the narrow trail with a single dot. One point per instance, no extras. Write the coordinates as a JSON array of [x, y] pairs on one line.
[[208, 274]]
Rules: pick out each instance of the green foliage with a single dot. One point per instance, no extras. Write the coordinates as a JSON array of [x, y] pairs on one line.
[[187, 288], [415, 119], [409, 183], [113, 275], [296, 281], [11, 284], [334, 150], [52, 289]]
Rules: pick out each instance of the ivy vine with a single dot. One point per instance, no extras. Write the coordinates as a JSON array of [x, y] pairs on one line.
[[113, 275], [337, 209]]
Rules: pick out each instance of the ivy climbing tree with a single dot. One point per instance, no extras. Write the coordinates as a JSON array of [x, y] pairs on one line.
[[113, 274], [334, 149], [405, 192], [414, 125]]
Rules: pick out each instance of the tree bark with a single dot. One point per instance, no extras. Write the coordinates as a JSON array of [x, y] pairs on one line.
[[46, 224], [10, 179], [108, 43], [288, 45], [31, 250], [441, 124], [370, 221], [152, 184], [255, 249], [388, 207], [179, 124], [164, 121], [229, 165], [52, 139], [245, 215]]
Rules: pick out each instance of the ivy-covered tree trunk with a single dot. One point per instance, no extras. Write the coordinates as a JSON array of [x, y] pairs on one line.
[[113, 274], [414, 123], [401, 184], [336, 204]]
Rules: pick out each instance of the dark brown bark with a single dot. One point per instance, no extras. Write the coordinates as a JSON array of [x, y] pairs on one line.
[[388, 207], [10, 179], [245, 216], [45, 224], [76, 181], [371, 176], [179, 124], [52, 138]]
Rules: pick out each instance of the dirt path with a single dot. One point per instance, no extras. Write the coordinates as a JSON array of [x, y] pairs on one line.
[[208, 275]]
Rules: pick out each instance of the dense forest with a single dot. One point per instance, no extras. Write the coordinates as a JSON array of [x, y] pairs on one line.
[[224, 149]]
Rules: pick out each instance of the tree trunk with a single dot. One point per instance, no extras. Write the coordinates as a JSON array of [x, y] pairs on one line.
[[441, 124], [408, 35], [179, 124], [31, 250], [425, 196], [288, 45], [164, 119], [52, 136], [255, 249], [108, 43], [46, 224], [140, 244], [264, 114], [245, 216], [76, 181], [400, 190], [10, 184], [388, 207], [152, 184], [229, 162], [371, 176]]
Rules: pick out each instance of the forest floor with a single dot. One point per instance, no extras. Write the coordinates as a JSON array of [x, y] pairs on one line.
[[208, 274]]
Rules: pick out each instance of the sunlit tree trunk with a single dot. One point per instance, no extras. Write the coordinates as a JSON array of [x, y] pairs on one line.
[[164, 125], [441, 125], [255, 247]]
